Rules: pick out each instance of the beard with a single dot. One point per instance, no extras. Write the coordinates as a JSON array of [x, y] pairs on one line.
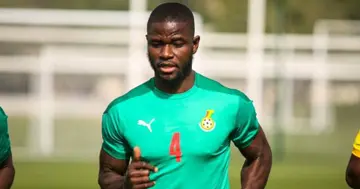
[[177, 77]]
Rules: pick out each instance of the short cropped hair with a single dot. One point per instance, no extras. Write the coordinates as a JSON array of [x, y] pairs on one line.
[[172, 12]]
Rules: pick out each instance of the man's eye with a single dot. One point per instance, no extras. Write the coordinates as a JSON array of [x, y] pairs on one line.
[[156, 44], [178, 44]]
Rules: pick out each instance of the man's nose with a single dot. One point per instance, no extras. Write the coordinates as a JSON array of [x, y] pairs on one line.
[[166, 52]]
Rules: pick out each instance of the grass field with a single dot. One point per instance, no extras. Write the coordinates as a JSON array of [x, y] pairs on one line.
[[309, 162], [309, 173], [307, 168]]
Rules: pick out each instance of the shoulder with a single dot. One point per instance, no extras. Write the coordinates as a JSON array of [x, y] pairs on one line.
[[131, 97], [219, 89], [3, 121], [3, 128], [5, 148], [2, 113]]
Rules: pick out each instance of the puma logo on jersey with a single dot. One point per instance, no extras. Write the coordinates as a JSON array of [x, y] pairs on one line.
[[147, 125]]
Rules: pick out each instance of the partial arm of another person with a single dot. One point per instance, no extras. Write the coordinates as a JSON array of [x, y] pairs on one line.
[[7, 170], [353, 167], [253, 145], [7, 173]]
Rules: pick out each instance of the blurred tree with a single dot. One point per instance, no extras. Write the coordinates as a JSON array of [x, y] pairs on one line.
[[225, 15], [68, 4], [220, 15], [300, 15]]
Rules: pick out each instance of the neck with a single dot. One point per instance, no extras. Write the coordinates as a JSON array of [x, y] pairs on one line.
[[176, 87]]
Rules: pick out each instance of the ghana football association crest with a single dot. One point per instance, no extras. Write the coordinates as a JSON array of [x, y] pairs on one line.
[[207, 124]]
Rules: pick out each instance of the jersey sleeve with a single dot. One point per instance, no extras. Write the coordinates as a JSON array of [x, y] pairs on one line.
[[246, 125], [114, 142], [5, 147], [356, 146]]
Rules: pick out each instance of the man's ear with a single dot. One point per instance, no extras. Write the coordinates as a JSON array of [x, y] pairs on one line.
[[196, 42]]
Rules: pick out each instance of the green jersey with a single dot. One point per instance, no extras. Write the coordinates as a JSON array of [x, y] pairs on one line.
[[5, 149], [187, 135]]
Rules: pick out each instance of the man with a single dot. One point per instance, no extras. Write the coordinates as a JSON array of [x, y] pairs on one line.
[[353, 167], [177, 126], [7, 170]]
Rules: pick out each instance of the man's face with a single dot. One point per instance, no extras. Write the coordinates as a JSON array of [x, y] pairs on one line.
[[171, 46]]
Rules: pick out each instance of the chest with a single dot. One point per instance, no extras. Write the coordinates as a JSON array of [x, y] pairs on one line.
[[172, 131]]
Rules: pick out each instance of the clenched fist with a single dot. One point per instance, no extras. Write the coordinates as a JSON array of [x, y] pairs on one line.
[[137, 176]]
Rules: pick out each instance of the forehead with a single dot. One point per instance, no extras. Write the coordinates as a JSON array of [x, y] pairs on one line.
[[169, 28]]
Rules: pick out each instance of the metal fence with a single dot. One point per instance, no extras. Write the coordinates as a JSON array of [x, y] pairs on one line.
[[75, 62]]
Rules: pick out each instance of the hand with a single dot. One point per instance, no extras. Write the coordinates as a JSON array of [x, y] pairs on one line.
[[138, 172]]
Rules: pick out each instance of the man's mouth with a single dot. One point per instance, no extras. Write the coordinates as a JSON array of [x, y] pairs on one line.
[[167, 68]]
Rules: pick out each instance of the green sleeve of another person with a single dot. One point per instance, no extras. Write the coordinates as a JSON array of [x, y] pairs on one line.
[[5, 149]]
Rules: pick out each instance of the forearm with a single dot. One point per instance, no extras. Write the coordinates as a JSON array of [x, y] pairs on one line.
[[352, 180], [111, 180], [255, 173], [353, 172], [6, 177]]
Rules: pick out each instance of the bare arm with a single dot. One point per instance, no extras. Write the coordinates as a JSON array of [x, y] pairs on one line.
[[7, 173], [256, 169], [353, 172], [115, 170], [112, 172]]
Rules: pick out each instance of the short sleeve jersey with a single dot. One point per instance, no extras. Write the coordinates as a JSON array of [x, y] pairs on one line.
[[356, 145], [5, 149], [187, 135]]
